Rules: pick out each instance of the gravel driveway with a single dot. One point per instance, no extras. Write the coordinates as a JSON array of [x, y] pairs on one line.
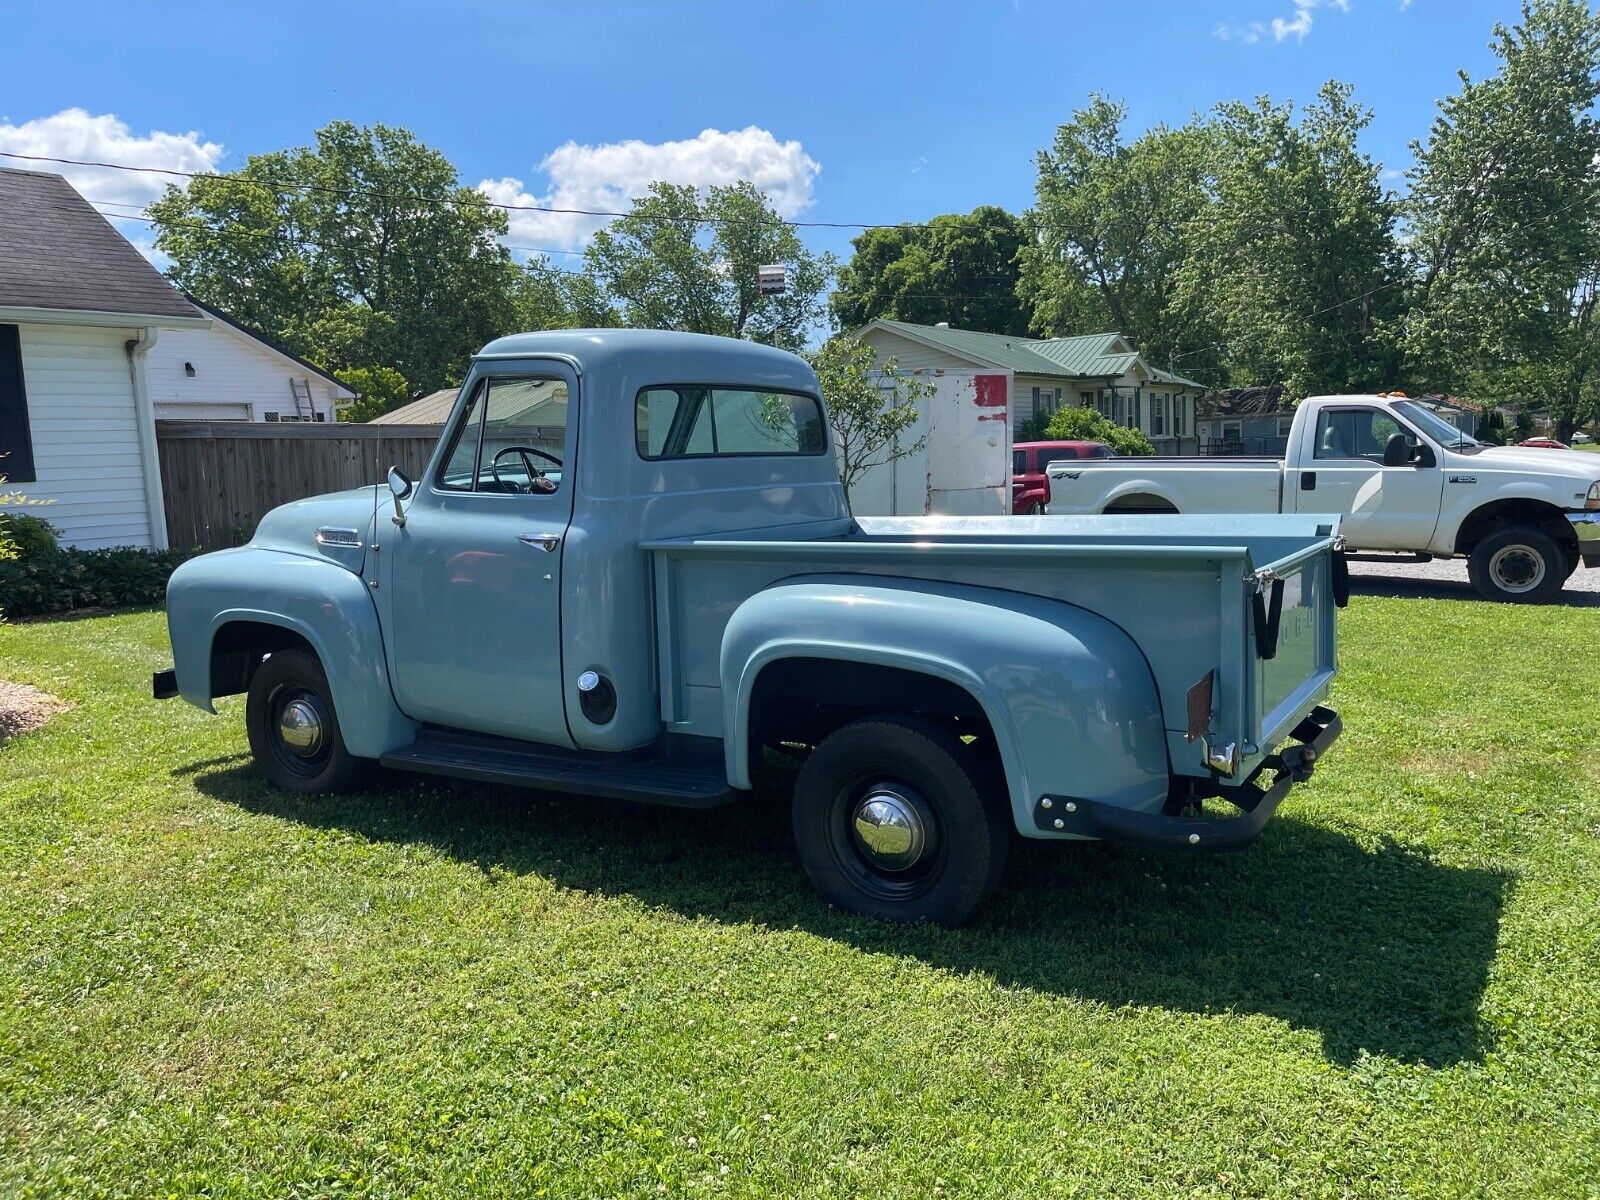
[[1446, 579]]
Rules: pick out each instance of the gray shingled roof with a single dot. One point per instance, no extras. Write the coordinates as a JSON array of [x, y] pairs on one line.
[[432, 409], [57, 252]]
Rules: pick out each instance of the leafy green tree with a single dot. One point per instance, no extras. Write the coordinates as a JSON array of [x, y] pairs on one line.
[[378, 390], [362, 249], [1504, 223], [961, 268], [679, 262], [1296, 253], [1087, 425], [548, 297], [1113, 223], [872, 408]]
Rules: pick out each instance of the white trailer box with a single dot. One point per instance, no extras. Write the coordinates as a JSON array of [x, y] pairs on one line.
[[964, 466]]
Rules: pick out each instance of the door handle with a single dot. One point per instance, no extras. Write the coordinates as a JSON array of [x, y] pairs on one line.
[[545, 541]]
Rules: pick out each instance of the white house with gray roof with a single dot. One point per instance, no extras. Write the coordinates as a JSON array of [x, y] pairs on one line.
[[80, 309], [1103, 371], [95, 347]]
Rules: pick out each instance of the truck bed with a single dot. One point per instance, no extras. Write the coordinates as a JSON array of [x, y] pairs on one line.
[[1184, 589], [1190, 485]]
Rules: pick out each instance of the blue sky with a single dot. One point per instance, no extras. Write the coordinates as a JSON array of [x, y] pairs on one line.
[[845, 112]]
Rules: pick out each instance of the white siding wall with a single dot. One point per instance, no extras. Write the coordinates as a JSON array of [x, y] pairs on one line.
[[235, 377], [1022, 406], [85, 437], [912, 356]]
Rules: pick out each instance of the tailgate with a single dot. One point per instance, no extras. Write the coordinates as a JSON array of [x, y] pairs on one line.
[[1292, 633]]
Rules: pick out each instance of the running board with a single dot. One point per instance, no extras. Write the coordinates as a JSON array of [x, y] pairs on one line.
[[1399, 558], [682, 781]]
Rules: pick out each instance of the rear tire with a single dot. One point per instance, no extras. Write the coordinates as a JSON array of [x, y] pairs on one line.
[[895, 818], [1519, 565], [294, 730]]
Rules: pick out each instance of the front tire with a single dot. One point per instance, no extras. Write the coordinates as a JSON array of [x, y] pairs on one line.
[[294, 730], [895, 818], [1520, 565]]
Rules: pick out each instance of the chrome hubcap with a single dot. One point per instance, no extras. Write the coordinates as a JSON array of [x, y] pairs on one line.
[[300, 728], [889, 831], [1516, 569]]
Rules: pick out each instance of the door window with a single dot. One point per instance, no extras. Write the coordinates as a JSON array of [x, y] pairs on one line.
[[1019, 462], [1354, 433], [510, 439]]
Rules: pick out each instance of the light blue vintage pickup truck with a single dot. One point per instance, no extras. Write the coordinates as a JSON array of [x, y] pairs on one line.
[[630, 571]]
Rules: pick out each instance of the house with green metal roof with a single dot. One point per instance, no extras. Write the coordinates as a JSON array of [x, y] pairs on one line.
[[1103, 371]]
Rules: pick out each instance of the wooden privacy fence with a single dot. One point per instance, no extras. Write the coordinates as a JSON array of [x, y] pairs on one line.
[[221, 477]]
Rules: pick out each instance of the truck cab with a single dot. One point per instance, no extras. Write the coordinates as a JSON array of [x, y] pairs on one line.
[[629, 571]]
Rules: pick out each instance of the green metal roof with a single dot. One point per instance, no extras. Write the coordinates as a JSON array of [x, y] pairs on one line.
[[1157, 375], [1089, 356]]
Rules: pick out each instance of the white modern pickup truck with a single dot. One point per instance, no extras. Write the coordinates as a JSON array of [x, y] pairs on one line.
[[1405, 480]]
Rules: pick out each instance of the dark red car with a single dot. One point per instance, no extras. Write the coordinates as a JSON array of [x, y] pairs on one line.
[[1544, 443], [1030, 486]]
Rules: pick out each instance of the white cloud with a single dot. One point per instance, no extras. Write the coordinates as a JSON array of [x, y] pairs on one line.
[[75, 133], [1297, 26], [608, 176], [1249, 33]]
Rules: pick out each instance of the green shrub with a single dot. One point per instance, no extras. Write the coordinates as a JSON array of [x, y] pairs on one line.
[[30, 537], [1035, 428], [1084, 424], [70, 579]]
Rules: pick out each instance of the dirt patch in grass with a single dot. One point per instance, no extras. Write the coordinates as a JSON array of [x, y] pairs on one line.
[[23, 708]]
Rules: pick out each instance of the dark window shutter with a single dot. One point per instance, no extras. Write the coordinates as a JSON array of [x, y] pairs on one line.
[[16, 445]]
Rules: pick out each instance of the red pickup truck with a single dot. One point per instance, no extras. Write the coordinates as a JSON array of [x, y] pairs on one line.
[[1030, 485]]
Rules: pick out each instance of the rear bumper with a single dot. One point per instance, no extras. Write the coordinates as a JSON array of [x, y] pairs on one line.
[[1093, 819], [1587, 526]]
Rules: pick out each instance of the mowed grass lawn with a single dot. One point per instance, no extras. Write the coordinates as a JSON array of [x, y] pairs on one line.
[[208, 988]]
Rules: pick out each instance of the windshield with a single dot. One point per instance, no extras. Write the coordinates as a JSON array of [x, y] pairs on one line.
[[1436, 426]]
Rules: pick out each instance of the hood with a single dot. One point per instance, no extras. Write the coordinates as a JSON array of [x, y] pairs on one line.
[[1575, 464], [346, 518]]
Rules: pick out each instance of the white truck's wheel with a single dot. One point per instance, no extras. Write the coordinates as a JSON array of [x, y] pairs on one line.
[[1521, 564]]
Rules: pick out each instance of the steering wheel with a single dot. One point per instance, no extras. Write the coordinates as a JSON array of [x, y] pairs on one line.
[[537, 482]]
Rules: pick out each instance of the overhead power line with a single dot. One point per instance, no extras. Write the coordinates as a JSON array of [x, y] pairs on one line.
[[274, 185]]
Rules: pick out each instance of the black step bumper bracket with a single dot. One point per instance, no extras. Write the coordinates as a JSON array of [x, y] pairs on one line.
[[1291, 765]]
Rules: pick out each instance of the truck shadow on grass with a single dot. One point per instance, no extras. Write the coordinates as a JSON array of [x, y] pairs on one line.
[[1379, 950], [1403, 588]]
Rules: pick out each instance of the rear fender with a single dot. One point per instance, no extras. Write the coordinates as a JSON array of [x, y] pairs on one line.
[[1140, 487], [328, 605], [1069, 696]]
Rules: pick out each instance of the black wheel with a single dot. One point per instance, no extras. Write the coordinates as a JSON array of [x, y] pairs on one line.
[[895, 818], [1521, 564], [294, 731]]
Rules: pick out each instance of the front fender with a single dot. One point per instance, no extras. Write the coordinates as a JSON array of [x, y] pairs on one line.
[[326, 604], [1454, 513], [1068, 694]]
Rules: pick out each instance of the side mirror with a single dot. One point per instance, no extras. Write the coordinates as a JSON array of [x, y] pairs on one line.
[[400, 487], [1397, 451]]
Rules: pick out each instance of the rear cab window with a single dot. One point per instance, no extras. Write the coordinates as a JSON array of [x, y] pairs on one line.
[[695, 421]]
